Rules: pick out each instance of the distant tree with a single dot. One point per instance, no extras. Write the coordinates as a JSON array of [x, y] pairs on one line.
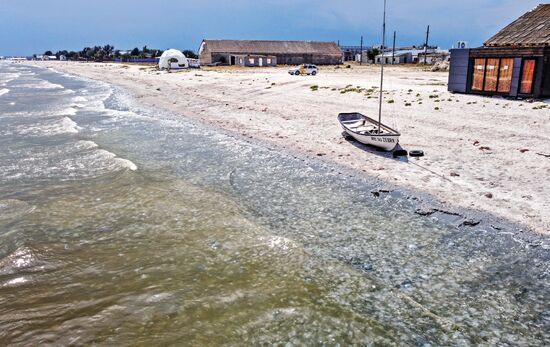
[[108, 49], [372, 53], [135, 52], [72, 55], [48, 53], [60, 53], [117, 54], [90, 53], [190, 54]]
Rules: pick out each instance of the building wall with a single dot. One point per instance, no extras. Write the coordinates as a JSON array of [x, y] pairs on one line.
[[462, 61], [284, 59], [458, 71], [252, 61]]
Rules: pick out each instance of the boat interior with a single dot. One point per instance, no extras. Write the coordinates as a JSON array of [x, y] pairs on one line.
[[364, 128]]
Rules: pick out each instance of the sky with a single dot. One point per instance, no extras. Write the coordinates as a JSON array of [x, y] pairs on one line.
[[34, 26]]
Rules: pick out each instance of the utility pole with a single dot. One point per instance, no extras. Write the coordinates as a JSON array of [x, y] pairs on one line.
[[393, 49], [426, 46], [361, 52]]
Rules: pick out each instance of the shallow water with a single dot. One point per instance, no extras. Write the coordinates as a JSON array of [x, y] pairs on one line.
[[121, 225]]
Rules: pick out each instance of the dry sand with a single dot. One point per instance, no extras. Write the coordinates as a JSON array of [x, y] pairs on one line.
[[482, 153]]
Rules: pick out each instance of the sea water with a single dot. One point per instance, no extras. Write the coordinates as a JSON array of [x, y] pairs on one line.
[[124, 225]]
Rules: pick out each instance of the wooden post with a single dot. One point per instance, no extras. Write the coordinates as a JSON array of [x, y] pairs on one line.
[[393, 49], [426, 46], [361, 52]]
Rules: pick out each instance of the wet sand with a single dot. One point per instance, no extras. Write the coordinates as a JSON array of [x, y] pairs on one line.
[[486, 154]]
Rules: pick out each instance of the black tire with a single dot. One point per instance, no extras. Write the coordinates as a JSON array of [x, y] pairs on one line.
[[399, 153], [416, 153], [313, 73], [297, 73]]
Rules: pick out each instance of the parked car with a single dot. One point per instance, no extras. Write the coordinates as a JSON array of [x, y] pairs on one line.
[[304, 69]]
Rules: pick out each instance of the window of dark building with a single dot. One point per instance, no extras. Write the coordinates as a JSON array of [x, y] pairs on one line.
[[479, 74], [527, 75], [505, 75], [491, 75]]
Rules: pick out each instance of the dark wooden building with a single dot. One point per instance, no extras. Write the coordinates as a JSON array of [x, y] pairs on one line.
[[285, 52], [515, 62]]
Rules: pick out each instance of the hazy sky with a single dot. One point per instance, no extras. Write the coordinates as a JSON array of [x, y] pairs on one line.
[[33, 26]]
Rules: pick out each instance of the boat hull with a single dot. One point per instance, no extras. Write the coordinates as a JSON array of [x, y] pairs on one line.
[[365, 130]]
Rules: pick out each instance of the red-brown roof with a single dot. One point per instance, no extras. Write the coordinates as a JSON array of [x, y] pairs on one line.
[[272, 47], [531, 29]]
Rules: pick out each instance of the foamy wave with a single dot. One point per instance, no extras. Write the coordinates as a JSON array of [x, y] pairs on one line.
[[122, 163], [4, 91], [42, 84], [63, 126], [6, 78], [79, 99], [69, 126], [127, 164], [84, 144], [69, 111]]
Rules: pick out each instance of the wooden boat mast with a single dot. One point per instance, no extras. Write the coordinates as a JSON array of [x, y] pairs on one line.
[[382, 58]]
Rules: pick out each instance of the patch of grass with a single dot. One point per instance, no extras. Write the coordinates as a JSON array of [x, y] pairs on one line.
[[391, 101], [349, 88], [541, 107], [417, 95], [436, 108], [408, 104], [314, 88], [434, 96]]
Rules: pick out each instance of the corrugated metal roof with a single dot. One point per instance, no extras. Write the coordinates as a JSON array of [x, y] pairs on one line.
[[272, 47], [531, 29]]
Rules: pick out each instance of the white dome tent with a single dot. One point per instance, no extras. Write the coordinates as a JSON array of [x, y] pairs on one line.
[[173, 59]]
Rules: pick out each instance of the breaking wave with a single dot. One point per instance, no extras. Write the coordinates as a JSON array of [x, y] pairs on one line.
[[64, 125]]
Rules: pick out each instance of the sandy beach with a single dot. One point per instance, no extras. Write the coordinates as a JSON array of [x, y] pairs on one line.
[[487, 154]]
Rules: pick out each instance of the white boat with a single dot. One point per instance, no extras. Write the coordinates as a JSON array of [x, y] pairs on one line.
[[367, 130]]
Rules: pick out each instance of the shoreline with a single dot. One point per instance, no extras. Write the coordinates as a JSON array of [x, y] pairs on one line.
[[190, 94]]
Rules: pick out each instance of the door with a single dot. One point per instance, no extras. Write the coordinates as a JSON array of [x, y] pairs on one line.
[[527, 76], [261, 61]]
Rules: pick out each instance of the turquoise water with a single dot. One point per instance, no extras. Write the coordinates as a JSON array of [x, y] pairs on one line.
[[123, 225]]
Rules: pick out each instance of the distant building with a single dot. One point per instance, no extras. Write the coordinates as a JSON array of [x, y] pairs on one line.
[[515, 62], [352, 53], [397, 57], [285, 52], [255, 60]]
